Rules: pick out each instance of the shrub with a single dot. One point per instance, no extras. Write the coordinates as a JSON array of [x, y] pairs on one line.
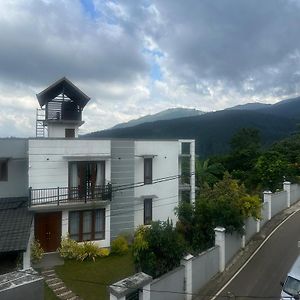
[[119, 246], [87, 250], [103, 252], [37, 251], [68, 248], [158, 249]]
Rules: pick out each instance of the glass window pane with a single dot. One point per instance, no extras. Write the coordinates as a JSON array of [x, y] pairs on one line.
[[74, 218], [147, 211], [86, 225], [99, 224]]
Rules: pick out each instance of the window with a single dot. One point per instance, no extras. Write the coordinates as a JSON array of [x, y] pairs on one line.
[[87, 225], [147, 170], [69, 132], [147, 211], [3, 170]]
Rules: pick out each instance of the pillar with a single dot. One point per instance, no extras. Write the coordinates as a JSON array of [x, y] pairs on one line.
[[268, 199], [287, 188], [188, 275], [220, 241]]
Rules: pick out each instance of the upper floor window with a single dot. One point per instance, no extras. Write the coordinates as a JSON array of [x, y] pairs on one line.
[[147, 170], [147, 211], [3, 170]]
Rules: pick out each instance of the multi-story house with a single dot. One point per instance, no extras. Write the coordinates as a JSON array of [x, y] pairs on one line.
[[90, 189]]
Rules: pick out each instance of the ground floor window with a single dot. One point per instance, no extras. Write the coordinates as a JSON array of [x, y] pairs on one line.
[[147, 211], [87, 225]]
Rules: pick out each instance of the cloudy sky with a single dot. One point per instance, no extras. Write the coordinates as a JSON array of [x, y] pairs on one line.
[[139, 57]]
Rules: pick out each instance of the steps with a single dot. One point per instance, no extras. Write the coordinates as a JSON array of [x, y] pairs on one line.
[[58, 286]]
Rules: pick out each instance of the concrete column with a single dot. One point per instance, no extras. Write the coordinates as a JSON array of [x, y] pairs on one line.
[[27, 254], [145, 295], [257, 225], [220, 241], [112, 297], [188, 275], [64, 223], [137, 282], [192, 171], [287, 188], [268, 199], [243, 244]]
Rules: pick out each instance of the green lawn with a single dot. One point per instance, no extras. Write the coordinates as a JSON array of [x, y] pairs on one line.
[[89, 279]]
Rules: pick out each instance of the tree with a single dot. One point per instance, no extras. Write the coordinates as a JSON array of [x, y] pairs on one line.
[[225, 204], [245, 149], [272, 168], [207, 172]]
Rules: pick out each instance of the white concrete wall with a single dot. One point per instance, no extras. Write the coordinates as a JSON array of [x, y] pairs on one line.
[[165, 164], [48, 161], [58, 130], [278, 202]]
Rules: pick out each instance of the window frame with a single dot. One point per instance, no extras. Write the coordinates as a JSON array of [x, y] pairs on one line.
[[3, 166], [93, 223], [146, 220], [148, 178]]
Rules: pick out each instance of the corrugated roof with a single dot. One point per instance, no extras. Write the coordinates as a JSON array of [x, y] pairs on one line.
[[15, 223], [65, 86]]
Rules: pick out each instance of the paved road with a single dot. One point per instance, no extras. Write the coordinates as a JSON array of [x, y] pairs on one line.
[[260, 279]]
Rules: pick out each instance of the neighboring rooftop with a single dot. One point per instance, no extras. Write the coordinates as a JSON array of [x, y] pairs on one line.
[[15, 224]]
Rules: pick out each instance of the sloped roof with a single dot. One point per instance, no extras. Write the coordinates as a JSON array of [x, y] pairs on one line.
[[65, 86], [15, 224]]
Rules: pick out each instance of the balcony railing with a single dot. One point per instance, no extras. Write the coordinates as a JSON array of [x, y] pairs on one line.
[[66, 195]]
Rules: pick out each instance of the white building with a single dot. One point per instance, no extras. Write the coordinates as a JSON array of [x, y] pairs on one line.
[[93, 189]]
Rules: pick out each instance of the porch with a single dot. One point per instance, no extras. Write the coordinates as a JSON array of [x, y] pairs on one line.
[[65, 196]]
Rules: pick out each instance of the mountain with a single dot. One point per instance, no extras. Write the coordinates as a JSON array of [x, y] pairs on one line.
[[168, 114], [249, 106], [213, 131]]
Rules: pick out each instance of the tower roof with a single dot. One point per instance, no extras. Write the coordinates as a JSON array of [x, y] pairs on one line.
[[66, 87]]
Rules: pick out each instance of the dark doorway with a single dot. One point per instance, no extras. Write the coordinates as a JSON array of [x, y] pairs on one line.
[[47, 230]]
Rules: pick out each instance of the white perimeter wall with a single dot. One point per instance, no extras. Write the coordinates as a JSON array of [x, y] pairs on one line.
[[48, 167], [165, 164]]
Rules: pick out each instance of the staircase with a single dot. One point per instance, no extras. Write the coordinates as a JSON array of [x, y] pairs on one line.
[[40, 128], [58, 286]]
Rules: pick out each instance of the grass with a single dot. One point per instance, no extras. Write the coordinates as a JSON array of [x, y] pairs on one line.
[[49, 295], [90, 280]]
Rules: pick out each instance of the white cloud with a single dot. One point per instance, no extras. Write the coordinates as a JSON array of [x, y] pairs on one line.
[[210, 55]]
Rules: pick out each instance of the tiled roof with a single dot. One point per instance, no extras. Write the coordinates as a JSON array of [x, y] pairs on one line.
[[15, 223]]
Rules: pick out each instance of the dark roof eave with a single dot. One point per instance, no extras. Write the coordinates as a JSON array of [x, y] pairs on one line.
[[63, 84]]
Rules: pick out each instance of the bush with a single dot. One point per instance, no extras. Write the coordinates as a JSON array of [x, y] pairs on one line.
[[70, 249], [158, 249], [37, 251], [87, 250], [119, 246], [103, 252]]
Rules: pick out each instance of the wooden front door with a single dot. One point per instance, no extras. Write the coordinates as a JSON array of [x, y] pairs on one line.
[[47, 230]]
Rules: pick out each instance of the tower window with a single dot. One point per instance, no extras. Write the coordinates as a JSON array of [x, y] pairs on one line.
[[69, 132]]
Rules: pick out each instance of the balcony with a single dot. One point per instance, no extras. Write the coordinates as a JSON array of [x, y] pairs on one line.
[[66, 196]]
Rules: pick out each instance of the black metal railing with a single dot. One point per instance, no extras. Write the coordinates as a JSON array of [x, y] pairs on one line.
[[64, 195]]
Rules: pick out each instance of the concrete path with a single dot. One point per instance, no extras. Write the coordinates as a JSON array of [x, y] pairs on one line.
[[58, 286]]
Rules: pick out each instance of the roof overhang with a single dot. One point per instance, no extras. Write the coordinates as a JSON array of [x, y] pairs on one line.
[[147, 155], [65, 86], [85, 157]]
